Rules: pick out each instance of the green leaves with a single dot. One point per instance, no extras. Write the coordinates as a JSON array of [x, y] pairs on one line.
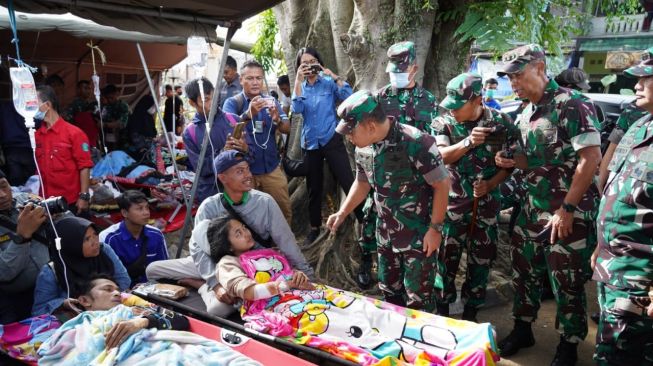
[[496, 26], [267, 47]]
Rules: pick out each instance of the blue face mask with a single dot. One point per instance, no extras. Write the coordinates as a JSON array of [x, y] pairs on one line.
[[40, 115], [490, 93]]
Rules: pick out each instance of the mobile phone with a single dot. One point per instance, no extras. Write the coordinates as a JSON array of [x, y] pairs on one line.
[[238, 130], [269, 102], [315, 69], [544, 236]]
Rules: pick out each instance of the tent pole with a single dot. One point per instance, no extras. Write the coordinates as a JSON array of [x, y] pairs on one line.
[[163, 126], [205, 141]]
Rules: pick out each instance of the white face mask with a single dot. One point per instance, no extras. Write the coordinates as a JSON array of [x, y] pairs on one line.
[[152, 110], [399, 79]]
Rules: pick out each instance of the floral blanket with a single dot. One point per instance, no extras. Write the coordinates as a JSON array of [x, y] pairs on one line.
[[20, 340], [361, 329]]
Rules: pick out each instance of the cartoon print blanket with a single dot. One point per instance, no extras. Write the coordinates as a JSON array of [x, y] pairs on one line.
[[22, 339], [80, 341], [361, 329]]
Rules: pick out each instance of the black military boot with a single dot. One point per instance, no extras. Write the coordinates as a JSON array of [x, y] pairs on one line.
[[442, 309], [566, 354], [520, 337], [469, 313], [395, 300], [364, 277]]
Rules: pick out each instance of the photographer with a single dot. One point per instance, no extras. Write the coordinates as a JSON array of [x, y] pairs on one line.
[[21, 255], [317, 89]]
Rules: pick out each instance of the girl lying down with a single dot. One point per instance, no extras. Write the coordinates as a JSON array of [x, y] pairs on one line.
[[281, 301], [120, 329]]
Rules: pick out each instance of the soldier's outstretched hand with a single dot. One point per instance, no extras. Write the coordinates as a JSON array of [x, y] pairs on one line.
[[335, 220], [432, 241]]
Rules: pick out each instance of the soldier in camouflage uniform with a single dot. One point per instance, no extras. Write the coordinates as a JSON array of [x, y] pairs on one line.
[[468, 138], [410, 183], [631, 114], [624, 268], [83, 102], [409, 104], [115, 115], [560, 158]]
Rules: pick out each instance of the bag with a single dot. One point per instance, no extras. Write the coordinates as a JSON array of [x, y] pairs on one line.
[[292, 167], [168, 291]]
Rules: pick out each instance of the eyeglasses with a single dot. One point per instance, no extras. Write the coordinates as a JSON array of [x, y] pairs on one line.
[[312, 61]]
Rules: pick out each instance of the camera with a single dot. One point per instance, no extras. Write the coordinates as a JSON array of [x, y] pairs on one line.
[[53, 205], [315, 69]]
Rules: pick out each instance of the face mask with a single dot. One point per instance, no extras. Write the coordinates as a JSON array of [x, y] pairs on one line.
[[40, 115], [399, 79], [489, 93], [152, 110]]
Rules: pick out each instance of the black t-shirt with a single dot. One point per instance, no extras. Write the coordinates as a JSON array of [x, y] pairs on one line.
[[167, 114]]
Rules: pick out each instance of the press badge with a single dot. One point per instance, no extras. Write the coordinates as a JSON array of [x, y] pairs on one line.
[[258, 126]]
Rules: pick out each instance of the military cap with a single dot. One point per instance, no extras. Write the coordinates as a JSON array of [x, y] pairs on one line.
[[574, 76], [461, 89], [644, 68], [515, 60], [352, 111], [401, 56]]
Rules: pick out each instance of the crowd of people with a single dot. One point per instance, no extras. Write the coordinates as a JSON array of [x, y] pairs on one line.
[[426, 187]]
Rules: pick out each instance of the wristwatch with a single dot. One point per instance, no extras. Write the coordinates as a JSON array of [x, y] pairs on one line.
[[568, 207], [467, 143], [437, 226], [85, 196], [19, 239]]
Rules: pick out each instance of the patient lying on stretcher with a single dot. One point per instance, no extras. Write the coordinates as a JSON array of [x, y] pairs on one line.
[[122, 329], [282, 302]]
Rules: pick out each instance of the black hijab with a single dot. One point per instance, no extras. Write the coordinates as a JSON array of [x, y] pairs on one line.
[[141, 122], [78, 269]]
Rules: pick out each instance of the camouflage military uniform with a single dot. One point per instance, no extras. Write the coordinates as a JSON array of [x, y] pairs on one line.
[[400, 170], [416, 107], [562, 123], [118, 111], [79, 105], [630, 115], [624, 268], [478, 162]]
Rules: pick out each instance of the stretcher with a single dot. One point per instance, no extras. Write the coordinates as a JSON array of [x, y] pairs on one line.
[[193, 307]]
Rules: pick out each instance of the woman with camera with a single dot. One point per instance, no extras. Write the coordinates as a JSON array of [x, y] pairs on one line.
[[81, 256], [317, 89]]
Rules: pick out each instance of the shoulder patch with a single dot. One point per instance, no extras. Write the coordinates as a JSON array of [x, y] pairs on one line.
[[85, 147]]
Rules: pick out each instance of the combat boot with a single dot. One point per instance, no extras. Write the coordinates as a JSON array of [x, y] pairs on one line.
[[395, 300], [566, 354], [364, 277], [442, 309], [469, 313], [520, 337]]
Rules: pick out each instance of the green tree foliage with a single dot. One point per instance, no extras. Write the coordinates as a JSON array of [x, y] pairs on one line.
[[497, 26], [267, 48]]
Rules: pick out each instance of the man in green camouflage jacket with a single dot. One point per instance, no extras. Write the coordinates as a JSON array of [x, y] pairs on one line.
[[410, 185], [555, 232], [624, 267], [409, 104], [468, 138]]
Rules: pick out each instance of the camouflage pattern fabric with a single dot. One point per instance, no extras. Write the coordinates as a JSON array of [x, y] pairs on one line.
[[624, 334], [567, 264], [415, 107], [77, 106], [512, 190], [462, 89], [644, 68], [401, 55], [563, 122], [516, 60], [630, 115], [476, 163], [118, 111], [401, 169]]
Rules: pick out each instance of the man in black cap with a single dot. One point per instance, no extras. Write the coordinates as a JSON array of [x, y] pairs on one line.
[[573, 78], [21, 255]]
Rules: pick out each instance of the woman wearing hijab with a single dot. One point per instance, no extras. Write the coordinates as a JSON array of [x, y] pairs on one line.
[[84, 256]]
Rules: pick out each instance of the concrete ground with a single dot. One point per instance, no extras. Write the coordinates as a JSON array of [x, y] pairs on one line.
[[546, 336]]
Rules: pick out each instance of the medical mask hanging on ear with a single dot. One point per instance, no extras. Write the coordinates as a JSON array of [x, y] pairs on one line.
[[40, 115], [152, 110], [399, 79]]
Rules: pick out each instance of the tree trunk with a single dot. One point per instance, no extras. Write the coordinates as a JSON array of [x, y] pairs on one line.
[[351, 36]]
